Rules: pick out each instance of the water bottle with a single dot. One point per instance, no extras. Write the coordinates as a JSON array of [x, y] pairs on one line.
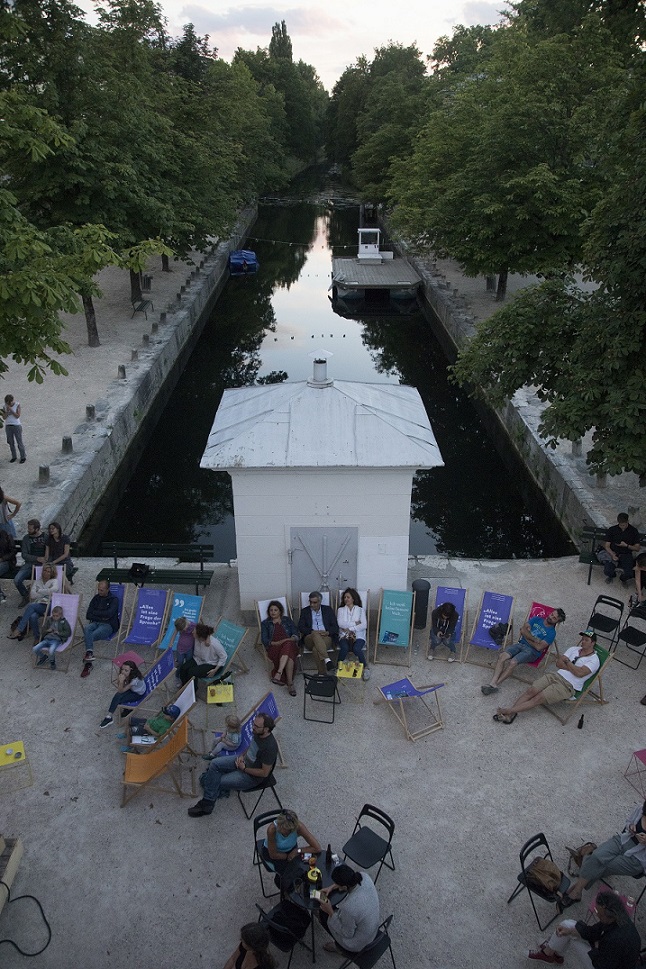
[[580, 723], [328, 857]]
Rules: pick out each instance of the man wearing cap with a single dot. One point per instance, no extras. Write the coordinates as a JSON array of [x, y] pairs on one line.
[[574, 667], [319, 631], [535, 636]]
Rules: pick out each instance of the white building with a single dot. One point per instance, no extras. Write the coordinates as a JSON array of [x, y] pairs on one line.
[[322, 474]]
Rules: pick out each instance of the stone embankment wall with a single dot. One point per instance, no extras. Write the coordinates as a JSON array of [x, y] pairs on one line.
[[560, 474], [101, 444]]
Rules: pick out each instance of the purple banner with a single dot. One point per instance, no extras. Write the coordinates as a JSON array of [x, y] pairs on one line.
[[149, 617], [495, 608], [266, 705], [404, 688], [156, 674], [444, 594]]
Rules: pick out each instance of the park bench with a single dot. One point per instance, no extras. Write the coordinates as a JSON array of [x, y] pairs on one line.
[[141, 551], [591, 537], [141, 306], [13, 572]]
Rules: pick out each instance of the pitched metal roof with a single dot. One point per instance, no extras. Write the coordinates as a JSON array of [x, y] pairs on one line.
[[343, 425]]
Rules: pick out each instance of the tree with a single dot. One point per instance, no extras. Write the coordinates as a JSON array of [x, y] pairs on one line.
[[280, 45], [349, 96]]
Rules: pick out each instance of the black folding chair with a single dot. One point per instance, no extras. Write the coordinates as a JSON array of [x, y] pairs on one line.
[[285, 933], [373, 952], [261, 821], [365, 847], [605, 619], [320, 688], [633, 635], [529, 853], [266, 784]]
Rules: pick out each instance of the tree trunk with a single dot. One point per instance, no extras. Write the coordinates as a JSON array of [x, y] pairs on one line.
[[90, 319], [135, 285], [165, 264], [501, 292]]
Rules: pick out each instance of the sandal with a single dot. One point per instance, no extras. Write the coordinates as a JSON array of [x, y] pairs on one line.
[[277, 680], [292, 689], [503, 718]]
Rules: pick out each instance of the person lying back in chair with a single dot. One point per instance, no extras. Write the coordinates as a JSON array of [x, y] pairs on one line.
[[156, 726], [535, 636], [574, 667]]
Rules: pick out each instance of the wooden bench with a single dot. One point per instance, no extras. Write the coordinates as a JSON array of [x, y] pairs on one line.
[[141, 551], [591, 538], [141, 306]]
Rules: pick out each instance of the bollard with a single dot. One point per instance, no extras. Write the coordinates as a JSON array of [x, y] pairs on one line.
[[43, 474], [67, 445], [162, 317], [90, 412], [134, 355], [145, 339], [182, 290], [577, 448], [155, 326], [602, 480], [421, 588], [121, 372]]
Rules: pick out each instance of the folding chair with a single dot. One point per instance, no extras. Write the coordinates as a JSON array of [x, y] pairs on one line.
[[638, 771], [188, 606], [395, 628], [267, 783], [494, 609], [280, 934], [458, 597], [365, 847], [605, 619], [141, 771], [372, 953], [147, 618], [261, 821], [71, 605], [537, 609], [633, 635], [586, 692], [531, 851], [262, 605], [320, 688]]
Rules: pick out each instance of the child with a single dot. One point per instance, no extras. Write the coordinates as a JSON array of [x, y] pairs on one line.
[[55, 632], [229, 740], [185, 642], [157, 726]]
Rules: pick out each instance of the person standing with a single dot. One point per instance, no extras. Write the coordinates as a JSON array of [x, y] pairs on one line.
[[32, 548], [13, 428]]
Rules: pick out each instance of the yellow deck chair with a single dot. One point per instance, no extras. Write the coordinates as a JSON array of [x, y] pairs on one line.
[[163, 762]]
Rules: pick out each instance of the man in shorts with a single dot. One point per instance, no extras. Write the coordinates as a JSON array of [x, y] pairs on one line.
[[535, 635], [573, 669]]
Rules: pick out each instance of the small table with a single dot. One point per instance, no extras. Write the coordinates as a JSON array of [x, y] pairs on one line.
[[350, 675], [312, 905], [13, 756]]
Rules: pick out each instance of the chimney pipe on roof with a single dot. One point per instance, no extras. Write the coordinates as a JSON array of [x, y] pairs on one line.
[[319, 376]]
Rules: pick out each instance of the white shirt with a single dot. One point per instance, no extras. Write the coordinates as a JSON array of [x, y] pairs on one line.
[[352, 619], [591, 662]]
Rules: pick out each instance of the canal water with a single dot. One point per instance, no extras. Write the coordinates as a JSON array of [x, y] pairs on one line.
[[264, 329]]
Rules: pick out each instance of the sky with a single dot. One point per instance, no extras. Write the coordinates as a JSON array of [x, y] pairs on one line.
[[328, 34]]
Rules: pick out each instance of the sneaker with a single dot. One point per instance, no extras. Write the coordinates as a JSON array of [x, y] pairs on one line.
[[87, 669], [121, 736], [22, 460], [609, 579], [13, 460], [89, 657], [451, 659], [540, 955], [489, 689], [201, 809], [366, 673], [106, 722], [42, 659], [431, 656], [52, 664]]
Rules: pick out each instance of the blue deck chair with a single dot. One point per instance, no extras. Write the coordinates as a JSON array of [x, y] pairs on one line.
[[147, 618], [120, 590], [458, 597], [189, 606], [154, 678], [495, 609]]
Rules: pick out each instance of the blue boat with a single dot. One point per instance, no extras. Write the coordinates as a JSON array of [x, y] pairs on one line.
[[243, 262]]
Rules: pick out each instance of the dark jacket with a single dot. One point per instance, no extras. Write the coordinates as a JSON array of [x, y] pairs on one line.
[[614, 946], [329, 621], [33, 548], [104, 609], [267, 629]]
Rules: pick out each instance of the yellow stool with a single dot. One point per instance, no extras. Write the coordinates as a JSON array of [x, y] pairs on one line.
[[15, 769]]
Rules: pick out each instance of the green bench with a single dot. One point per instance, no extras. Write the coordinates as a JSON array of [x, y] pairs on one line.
[[141, 306], [591, 538], [141, 551]]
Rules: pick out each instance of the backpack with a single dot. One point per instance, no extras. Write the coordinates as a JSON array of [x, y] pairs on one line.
[[544, 875], [289, 916], [498, 632]]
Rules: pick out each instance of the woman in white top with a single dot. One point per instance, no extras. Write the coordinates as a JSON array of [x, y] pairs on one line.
[[40, 592], [209, 656], [353, 627]]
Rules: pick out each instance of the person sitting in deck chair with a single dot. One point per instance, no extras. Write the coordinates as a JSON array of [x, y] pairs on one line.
[[154, 728], [535, 635], [574, 667]]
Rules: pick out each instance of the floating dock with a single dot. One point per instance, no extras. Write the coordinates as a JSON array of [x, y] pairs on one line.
[[373, 270]]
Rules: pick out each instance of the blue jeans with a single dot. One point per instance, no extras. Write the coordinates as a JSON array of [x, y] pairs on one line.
[[14, 436], [51, 645], [94, 631], [24, 572], [30, 617], [436, 641], [625, 562], [128, 696], [223, 775], [357, 647]]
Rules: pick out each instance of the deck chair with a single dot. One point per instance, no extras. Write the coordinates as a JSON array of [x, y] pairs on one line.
[[189, 606], [231, 637], [37, 572], [120, 590], [408, 703], [185, 699], [266, 704], [633, 638], [394, 639], [141, 772], [586, 693], [304, 600], [540, 610], [147, 618], [365, 601], [458, 597], [71, 605], [605, 619], [537, 847], [262, 605], [154, 679], [494, 609]]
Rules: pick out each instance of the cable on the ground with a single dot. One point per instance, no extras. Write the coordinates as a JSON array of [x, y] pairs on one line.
[[10, 901]]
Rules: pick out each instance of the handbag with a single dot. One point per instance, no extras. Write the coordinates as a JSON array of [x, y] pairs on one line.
[[544, 875], [139, 572], [578, 854]]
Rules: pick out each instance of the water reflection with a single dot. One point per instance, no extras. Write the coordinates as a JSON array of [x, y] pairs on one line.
[[263, 329]]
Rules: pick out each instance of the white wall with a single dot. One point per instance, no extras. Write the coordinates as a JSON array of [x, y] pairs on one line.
[[267, 504]]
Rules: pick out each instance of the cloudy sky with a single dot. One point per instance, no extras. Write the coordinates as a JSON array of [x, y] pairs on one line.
[[329, 34]]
